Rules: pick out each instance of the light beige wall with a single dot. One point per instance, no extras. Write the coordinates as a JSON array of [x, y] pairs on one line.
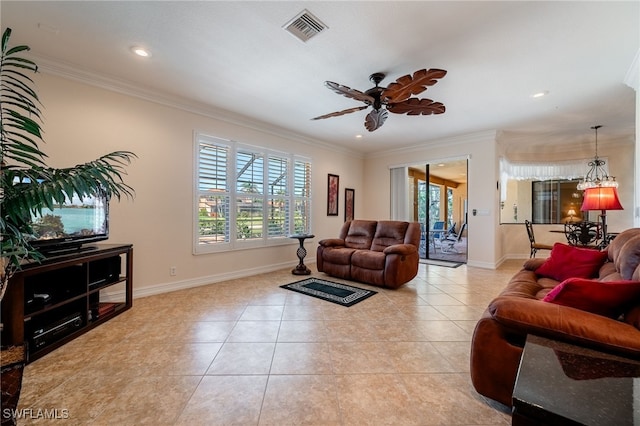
[[519, 195], [485, 249], [636, 169], [459, 195], [82, 122], [620, 156]]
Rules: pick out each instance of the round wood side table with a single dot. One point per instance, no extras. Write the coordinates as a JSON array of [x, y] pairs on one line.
[[301, 268]]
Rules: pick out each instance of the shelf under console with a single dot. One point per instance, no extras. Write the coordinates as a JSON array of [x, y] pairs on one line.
[[50, 303]]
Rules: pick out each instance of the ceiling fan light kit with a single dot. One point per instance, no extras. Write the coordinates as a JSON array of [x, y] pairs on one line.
[[395, 98]]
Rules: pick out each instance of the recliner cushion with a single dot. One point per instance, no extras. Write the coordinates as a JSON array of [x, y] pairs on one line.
[[368, 259], [628, 260], [360, 234], [388, 233], [339, 256]]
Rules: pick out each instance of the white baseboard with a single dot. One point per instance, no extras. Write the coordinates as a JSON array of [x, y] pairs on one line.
[[162, 288], [484, 265]]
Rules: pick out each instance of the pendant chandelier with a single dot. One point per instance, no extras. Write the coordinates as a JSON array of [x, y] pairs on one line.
[[600, 192], [597, 176]]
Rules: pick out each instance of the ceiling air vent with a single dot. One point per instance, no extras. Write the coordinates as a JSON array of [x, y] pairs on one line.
[[305, 26]]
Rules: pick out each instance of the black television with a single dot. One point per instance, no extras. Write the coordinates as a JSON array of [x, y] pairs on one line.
[[71, 224]]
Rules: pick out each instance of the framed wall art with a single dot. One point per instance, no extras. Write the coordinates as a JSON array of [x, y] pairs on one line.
[[349, 195], [333, 186]]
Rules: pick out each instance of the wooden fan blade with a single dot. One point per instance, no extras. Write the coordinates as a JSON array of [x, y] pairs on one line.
[[349, 92], [375, 119], [408, 85], [415, 106], [343, 112]]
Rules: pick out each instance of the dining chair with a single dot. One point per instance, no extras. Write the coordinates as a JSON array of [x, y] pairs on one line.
[[532, 240], [584, 234]]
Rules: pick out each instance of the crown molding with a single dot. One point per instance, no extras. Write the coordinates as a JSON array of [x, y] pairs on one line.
[[57, 68], [465, 139], [525, 146]]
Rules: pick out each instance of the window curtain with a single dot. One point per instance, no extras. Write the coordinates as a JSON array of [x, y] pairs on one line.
[[400, 199], [560, 170]]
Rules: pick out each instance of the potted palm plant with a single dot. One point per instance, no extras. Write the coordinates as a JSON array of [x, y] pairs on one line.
[[28, 185]]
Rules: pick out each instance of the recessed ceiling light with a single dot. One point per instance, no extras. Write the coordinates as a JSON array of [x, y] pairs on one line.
[[141, 51], [441, 165], [358, 136], [540, 94]]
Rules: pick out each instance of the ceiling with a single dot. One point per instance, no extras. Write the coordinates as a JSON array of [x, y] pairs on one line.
[[234, 60]]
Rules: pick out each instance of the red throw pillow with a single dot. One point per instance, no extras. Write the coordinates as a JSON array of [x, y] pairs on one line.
[[608, 298], [568, 261]]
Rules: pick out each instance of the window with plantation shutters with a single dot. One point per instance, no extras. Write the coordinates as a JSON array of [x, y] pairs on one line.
[[278, 216], [213, 192], [248, 196], [301, 197], [249, 199]]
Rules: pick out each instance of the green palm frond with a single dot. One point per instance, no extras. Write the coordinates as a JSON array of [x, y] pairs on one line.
[[19, 111], [28, 191], [28, 184]]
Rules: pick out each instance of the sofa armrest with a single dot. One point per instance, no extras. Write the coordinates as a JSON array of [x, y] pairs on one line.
[[565, 323], [533, 263], [401, 249], [331, 242]]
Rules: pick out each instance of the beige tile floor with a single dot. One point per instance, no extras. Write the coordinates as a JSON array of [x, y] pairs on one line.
[[247, 352]]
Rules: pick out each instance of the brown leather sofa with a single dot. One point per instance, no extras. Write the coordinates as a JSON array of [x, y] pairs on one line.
[[500, 334], [383, 253]]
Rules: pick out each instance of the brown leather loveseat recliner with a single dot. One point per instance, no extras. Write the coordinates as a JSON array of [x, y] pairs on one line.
[[383, 253], [499, 336]]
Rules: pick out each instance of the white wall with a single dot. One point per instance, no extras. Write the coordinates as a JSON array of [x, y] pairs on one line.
[[620, 156], [82, 122], [459, 195], [636, 180], [484, 248]]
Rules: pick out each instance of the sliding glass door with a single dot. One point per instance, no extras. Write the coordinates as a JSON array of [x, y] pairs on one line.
[[435, 196]]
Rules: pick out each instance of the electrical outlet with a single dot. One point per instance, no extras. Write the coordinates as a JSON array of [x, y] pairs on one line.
[[172, 271]]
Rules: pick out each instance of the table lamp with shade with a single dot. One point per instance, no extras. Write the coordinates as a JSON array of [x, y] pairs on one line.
[[600, 190], [601, 198], [571, 213]]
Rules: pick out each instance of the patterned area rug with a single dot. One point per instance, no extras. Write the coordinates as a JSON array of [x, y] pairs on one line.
[[341, 294]]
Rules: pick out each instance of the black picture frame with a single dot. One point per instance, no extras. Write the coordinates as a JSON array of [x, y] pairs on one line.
[[333, 188], [349, 203]]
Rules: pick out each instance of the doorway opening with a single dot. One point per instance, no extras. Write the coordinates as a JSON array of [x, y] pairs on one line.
[[439, 199]]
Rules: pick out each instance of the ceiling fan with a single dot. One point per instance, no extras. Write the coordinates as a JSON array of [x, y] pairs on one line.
[[396, 98]]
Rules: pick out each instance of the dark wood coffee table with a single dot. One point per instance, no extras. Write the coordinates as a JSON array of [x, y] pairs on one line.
[[563, 384]]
